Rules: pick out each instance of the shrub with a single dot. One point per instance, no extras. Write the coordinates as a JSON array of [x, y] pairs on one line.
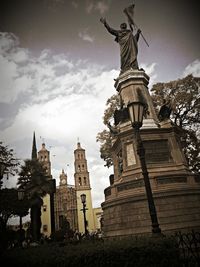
[[130, 252]]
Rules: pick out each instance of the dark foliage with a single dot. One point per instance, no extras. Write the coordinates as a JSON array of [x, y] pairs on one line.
[[8, 162], [119, 253]]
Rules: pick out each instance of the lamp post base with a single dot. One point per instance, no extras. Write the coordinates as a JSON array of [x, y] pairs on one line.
[[156, 230]]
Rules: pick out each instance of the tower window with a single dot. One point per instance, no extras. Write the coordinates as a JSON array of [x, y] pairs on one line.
[[44, 208], [82, 156], [85, 182], [79, 181], [79, 168], [83, 166], [78, 156]]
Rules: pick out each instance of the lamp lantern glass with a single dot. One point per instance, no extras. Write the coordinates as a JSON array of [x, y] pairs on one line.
[[136, 113], [20, 194], [83, 198]]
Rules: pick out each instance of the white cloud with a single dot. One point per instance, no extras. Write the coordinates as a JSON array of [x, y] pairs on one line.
[[150, 70], [193, 68], [84, 35], [100, 6], [65, 100], [8, 42], [74, 4], [89, 6]]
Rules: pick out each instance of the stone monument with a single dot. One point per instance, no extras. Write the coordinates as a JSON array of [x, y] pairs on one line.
[[176, 190]]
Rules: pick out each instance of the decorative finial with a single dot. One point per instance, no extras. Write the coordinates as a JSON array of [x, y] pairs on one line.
[[78, 143]]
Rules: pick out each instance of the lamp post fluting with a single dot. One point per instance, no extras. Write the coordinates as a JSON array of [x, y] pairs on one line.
[[136, 113], [83, 200]]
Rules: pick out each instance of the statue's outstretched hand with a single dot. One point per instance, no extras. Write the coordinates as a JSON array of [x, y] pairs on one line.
[[139, 31], [103, 20]]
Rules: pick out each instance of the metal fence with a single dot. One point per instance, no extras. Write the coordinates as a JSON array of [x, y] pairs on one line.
[[189, 246]]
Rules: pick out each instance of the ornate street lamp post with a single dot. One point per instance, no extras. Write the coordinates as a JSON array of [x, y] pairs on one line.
[[83, 200], [136, 113]]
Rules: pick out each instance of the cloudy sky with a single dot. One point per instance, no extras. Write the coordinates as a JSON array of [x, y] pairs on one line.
[[57, 65]]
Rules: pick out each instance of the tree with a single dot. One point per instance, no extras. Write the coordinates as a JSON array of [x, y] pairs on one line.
[[10, 206], [35, 182], [184, 95], [8, 162], [185, 100], [105, 137]]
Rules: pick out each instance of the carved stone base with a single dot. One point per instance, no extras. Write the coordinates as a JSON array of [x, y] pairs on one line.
[[175, 190], [178, 209]]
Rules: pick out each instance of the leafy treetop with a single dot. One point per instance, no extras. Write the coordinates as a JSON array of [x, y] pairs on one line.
[[8, 162]]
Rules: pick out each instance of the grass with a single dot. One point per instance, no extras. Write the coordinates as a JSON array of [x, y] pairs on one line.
[[148, 252]]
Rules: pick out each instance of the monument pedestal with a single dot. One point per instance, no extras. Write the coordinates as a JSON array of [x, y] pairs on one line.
[[176, 190], [133, 86]]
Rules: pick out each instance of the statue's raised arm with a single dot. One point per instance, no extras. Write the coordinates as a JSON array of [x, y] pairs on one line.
[[110, 30]]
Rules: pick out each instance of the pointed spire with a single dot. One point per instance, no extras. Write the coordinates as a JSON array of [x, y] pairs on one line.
[[34, 148]]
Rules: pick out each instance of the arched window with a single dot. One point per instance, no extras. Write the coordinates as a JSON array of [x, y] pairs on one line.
[[83, 166], [78, 156], [79, 168], [82, 156], [85, 181], [79, 181]]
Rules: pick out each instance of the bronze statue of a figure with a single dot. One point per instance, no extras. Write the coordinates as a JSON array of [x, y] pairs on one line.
[[128, 45], [165, 110]]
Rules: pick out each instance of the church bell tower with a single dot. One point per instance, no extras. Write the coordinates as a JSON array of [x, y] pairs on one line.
[[82, 186], [47, 210]]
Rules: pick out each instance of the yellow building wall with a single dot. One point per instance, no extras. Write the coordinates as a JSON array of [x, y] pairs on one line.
[[46, 216], [89, 212]]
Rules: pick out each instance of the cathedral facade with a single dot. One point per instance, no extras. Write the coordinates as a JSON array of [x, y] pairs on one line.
[[64, 209], [65, 204], [67, 200]]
